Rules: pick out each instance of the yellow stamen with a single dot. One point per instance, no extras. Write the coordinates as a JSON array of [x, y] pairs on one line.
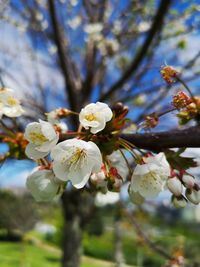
[[37, 138], [90, 117], [12, 101]]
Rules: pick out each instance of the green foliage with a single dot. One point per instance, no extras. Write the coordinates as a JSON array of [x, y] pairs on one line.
[[96, 224], [99, 247], [15, 254], [179, 162], [102, 247]]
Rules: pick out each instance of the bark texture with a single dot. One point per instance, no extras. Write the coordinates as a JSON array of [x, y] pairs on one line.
[[119, 257], [77, 210]]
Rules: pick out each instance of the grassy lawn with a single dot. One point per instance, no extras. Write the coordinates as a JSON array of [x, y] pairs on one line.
[[29, 255]]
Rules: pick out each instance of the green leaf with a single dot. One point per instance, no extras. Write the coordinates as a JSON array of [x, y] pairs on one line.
[[178, 162]]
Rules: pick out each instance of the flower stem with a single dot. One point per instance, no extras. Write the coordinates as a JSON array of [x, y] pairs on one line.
[[6, 129], [186, 86], [127, 163]]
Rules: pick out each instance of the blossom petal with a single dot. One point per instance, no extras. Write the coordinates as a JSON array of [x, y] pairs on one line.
[[48, 130], [32, 153]]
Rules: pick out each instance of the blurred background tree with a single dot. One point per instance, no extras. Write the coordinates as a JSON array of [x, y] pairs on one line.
[[18, 214]]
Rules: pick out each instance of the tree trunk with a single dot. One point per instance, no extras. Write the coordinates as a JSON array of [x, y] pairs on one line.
[[77, 207], [72, 238], [118, 251]]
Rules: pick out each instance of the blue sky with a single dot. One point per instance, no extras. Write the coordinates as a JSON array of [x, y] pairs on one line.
[[15, 172]]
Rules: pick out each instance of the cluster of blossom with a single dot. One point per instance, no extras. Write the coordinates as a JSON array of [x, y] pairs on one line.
[[74, 159], [190, 112], [106, 46], [84, 162], [96, 156], [181, 100], [180, 182]]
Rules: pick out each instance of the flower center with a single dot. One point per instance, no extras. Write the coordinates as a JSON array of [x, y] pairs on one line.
[[37, 138], [90, 117], [77, 158], [11, 101]]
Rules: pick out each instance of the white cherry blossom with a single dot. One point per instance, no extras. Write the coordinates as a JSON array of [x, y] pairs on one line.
[[76, 160], [149, 178], [42, 138], [75, 22], [95, 116], [9, 104], [93, 28], [43, 185], [108, 47]]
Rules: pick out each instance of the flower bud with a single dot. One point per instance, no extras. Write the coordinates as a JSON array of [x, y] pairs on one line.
[[175, 186], [118, 108], [168, 74], [117, 185], [188, 181], [179, 202], [181, 100], [43, 185], [193, 196], [151, 121]]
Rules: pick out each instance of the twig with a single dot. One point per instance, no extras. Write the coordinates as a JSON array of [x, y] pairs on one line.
[[147, 241], [156, 27]]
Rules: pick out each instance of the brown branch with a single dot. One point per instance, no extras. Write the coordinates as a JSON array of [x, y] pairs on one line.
[[161, 140], [156, 27], [63, 58], [170, 139], [91, 64], [161, 251], [152, 104]]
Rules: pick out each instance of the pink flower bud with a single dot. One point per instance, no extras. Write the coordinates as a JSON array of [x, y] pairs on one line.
[[193, 196], [175, 186], [188, 181]]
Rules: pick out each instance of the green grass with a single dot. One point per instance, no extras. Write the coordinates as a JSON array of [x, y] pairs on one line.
[[26, 255], [40, 252], [30, 255]]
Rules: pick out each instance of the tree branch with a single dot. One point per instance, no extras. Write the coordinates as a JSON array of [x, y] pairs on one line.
[[158, 141], [156, 27], [170, 139], [161, 251], [91, 52], [63, 58]]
